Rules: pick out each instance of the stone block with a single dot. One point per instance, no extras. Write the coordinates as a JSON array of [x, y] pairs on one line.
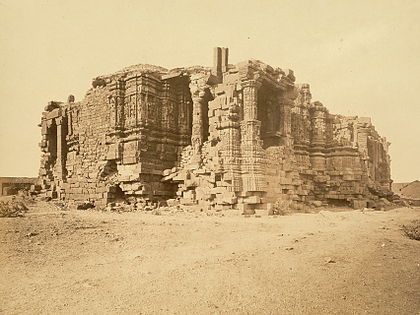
[[252, 200], [246, 209], [359, 203]]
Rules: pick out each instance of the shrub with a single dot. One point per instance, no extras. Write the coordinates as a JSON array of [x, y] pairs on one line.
[[412, 230], [281, 207], [12, 208]]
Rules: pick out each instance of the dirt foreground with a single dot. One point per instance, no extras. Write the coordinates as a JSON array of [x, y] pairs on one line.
[[90, 262]]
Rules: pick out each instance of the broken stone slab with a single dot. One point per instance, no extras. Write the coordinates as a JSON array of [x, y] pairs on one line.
[[252, 200]]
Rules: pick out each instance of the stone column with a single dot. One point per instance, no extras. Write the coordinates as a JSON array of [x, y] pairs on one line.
[[250, 100], [251, 146], [217, 62], [183, 120], [319, 115], [287, 112], [119, 104], [198, 94], [197, 136], [251, 126], [59, 161], [166, 112], [225, 59], [318, 138]]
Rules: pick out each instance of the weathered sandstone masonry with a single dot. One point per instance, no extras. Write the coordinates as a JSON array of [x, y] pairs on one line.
[[231, 136]]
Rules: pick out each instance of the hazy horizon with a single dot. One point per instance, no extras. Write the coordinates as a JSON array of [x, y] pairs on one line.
[[359, 58]]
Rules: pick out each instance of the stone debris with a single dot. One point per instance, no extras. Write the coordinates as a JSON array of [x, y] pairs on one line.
[[30, 234], [86, 205], [329, 260], [242, 136]]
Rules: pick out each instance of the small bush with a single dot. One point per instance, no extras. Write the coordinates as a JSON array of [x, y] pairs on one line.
[[281, 207], [12, 208], [412, 230]]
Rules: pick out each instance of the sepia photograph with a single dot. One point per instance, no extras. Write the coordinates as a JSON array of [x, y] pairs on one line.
[[219, 157]]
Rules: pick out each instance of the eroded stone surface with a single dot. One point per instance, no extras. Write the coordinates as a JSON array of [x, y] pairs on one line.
[[241, 136]]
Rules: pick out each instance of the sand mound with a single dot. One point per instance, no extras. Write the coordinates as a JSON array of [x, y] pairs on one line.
[[411, 190]]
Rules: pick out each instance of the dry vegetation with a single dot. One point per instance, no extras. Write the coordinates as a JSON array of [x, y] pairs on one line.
[[412, 230], [12, 208]]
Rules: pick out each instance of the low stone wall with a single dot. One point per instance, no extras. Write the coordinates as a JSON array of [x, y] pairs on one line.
[[11, 185]]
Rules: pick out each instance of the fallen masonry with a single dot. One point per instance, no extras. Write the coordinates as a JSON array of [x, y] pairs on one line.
[[242, 136]]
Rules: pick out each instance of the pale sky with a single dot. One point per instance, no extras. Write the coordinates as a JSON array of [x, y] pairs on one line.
[[360, 57]]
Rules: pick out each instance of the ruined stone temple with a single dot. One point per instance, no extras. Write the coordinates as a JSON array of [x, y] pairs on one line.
[[237, 136]]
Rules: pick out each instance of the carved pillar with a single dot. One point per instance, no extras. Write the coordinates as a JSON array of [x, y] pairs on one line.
[[251, 146], [250, 100], [318, 139], [50, 137], [166, 105], [287, 125], [112, 111], [251, 126], [69, 122], [286, 102], [119, 104], [302, 122], [60, 146], [306, 125], [137, 101], [318, 113], [183, 111], [198, 94], [197, 136], [175, 111]]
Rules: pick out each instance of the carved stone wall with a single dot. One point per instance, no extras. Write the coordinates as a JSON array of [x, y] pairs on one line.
[[116, 142], [232, 136]]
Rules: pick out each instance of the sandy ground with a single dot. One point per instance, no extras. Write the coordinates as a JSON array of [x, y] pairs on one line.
[[90, 262]]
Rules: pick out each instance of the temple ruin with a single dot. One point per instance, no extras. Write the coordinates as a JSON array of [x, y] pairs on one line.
[[240, 136]]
